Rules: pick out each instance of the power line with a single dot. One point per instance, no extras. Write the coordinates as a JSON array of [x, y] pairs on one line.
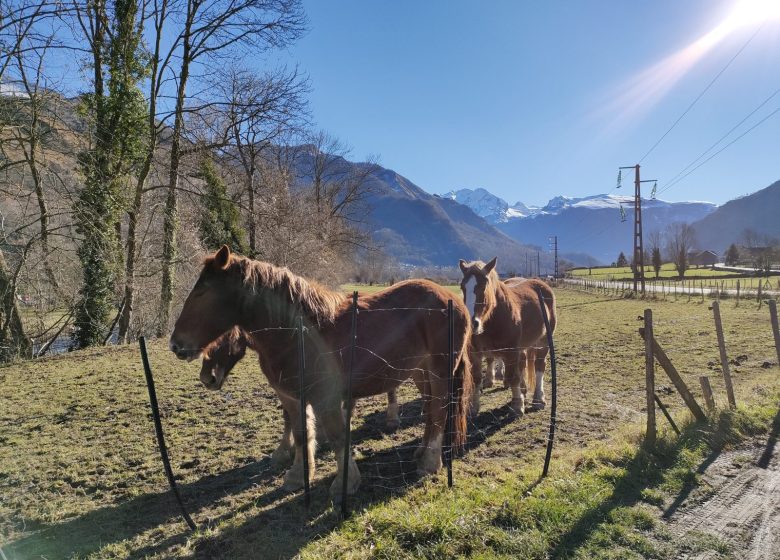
[[705, 90], [670, 185], [736, 126]]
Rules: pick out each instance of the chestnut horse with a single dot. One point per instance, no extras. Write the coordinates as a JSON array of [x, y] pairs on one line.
[[393, 343], [507, 323]]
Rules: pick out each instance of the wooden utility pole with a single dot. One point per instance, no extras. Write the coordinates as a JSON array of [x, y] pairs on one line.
[[554, 242], [639, 256]]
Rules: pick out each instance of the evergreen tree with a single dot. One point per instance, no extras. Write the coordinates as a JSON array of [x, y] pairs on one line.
[[657, 260], [220, 219], [622, 260], [732, 255]]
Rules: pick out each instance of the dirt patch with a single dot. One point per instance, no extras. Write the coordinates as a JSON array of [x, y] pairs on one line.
[[736, 506]]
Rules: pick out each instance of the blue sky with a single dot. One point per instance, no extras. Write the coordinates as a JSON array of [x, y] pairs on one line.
[[524, 98]]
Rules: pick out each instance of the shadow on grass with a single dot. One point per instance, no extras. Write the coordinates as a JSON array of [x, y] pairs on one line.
[[283, 525], [646, 470]]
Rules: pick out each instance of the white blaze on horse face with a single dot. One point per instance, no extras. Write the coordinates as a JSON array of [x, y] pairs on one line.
[[471, 298]]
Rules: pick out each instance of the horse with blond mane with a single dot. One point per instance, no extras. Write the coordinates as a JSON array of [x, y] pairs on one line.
[[507, 323], [401, 333]]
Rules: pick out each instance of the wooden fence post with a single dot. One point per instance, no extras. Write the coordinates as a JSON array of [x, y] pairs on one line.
[[775, 327], [706, 388], [674, 375], [724, 360], [649, 378]]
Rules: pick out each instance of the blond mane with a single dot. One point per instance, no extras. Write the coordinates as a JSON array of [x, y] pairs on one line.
[[319, 303]]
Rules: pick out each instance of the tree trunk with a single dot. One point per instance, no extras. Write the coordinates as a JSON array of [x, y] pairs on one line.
[[13, 342], [170, 223]]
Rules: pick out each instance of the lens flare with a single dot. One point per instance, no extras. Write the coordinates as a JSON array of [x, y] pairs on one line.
[[643, 91]]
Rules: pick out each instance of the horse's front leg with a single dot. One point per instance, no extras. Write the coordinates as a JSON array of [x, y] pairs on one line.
[[540, 362], [293, 479], [515, 363], [283, 455], [331, 419], [392, 420], [489, 379]]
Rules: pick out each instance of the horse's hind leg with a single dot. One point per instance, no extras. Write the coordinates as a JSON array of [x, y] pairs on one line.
[[392, 420], [425, 394], [283, 455], [540, 360], [429, 461], [293, 479]]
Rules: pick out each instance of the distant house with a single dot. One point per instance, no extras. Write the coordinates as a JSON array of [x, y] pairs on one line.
[[703, 258]]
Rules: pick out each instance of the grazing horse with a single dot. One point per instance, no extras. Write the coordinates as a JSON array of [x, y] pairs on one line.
[[507, 323], [392, 344]]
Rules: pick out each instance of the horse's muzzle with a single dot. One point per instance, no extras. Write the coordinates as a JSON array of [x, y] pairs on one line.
[[476, 325], [212, 377], [182, 352]]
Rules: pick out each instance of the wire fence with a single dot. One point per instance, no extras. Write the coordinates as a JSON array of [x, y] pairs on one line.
[[394, 465]]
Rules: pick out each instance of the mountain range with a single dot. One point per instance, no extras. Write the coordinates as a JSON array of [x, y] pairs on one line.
[[422, 229], [590, 230]]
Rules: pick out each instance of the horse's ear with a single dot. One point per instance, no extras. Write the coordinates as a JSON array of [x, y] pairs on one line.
[[462, 265], [490, 266], [222, 257]]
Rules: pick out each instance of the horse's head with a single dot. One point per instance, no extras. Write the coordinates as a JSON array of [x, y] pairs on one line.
[[478, 286], [221, 357], [212, 308]]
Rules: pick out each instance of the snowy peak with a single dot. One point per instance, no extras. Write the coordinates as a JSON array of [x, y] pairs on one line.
[[482, 203], [604, 201]]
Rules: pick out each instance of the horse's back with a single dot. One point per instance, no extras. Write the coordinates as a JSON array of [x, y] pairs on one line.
[[526, 293], [415, 293]]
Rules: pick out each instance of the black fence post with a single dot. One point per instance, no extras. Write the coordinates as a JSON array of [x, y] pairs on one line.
[[450, 390], [348, 407], [159, 431], [554, 382], [304, 416]]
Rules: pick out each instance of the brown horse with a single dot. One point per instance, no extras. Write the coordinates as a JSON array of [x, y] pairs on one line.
[[507, 323], [401, 333]]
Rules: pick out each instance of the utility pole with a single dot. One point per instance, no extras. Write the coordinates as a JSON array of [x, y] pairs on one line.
[[554, 243], [538, 266], [639, 254]]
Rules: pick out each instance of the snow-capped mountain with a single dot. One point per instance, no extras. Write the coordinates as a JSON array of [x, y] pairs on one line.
[[489, 206], [593, 224]]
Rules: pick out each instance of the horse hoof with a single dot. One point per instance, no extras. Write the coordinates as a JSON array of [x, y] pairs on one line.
[[335, 489], [282, 457], [538, 405], [392, 425], [418, 452], [292, 483], [517, 407], [487, 383]]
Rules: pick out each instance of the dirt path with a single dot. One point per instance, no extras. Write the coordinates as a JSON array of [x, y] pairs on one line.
[[737, 503]]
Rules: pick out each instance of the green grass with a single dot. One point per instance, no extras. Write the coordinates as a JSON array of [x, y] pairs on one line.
[[80, 475], [602, 505], [668, 271]]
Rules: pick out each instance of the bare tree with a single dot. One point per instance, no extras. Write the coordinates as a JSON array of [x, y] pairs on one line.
[[258, 111], [210, 30], [680, 240]]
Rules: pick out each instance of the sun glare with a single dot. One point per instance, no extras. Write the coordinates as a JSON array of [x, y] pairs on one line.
[[646, 88], [750, 12]]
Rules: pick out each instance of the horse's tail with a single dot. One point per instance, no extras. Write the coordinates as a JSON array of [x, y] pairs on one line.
[[549, 299], [463, 388]]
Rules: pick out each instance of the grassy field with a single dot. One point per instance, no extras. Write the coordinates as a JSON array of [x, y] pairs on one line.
[[81, 477], [624, 273]]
